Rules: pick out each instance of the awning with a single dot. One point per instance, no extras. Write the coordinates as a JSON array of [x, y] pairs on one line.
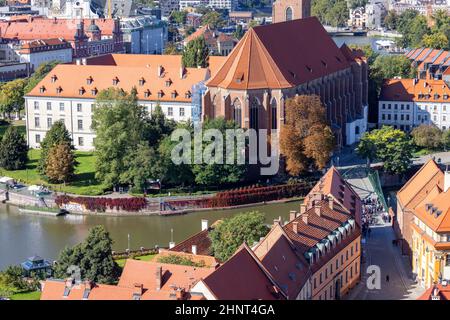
[[6, 180]]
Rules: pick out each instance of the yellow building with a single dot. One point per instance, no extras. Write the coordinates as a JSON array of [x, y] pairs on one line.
[[431, 236]]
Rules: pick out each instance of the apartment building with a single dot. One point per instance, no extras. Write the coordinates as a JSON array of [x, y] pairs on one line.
[[407, 103]]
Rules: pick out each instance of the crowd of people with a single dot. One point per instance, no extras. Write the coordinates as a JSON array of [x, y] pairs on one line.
[[371, 207]]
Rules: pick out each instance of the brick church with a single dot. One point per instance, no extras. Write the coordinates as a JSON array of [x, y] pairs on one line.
[[272, 63]]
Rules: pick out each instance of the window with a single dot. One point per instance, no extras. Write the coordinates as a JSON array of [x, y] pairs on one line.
[[402, 117], [337, 264], [389, 117], [80, 141], [356, 247], [80, 124], [346, 255], [288, 14], [61, 106], [237, 112], [181, 112], [79, 107], [49, 106], [444, 118], [170, 111], [351, 251], [274, 113], [36, 105], [383, 117], [395, 117], [37, 123], [49, 123], [315, 279], [389, 106], [320, 278], [38, 138], [395, 106], [254, 114], [383, 106]]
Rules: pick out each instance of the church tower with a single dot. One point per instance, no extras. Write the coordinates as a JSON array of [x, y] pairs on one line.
[[285, 10]]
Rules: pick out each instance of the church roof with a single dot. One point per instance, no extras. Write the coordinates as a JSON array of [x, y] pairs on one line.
[[280, 55]]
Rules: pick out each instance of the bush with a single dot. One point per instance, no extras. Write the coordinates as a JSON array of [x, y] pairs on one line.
[[427, 136], [101, 204], [184, 261]]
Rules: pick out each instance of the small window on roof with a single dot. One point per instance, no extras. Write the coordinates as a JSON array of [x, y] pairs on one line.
[[81, 91], [115, 81], [141, 81], [160, 94], [54, 78], [187, 95], [89, 80], [59, 89], [147, 93], [168, 83], [42, 89], [174, 94], [94, 91]]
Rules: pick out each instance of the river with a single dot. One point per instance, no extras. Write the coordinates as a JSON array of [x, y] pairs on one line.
[[23, 235]]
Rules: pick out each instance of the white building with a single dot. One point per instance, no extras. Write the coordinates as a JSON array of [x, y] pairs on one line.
[[223, 4], [408, 103], [192, 3], [68, 92], [41, 51]]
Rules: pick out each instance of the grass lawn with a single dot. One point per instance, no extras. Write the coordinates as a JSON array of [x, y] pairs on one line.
[[121, 262], [84, 183], [33, 295], [425, 151], [20, 124]]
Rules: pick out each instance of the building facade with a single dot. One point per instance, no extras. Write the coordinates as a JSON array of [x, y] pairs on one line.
[[230, 5], [286, 10], [144, 34], [408, 103], [41, 51], [265, 69], [68, 92]]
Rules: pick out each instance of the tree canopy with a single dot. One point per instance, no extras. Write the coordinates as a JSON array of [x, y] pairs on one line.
[[93, 256], [232, 232], [196, 53], [306, 139], [60, 165], [13, 149]]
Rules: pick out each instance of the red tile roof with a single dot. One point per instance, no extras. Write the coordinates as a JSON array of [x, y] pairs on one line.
[[243, 277], [280, 55], [439, 291], [42, 28], [415, 90]]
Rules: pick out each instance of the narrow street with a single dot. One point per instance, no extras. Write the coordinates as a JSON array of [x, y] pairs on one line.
[[379, 250]]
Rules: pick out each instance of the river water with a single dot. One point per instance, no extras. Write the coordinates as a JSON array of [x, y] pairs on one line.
[[23, 235]]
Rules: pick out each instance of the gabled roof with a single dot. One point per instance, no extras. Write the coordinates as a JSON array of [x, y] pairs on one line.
[[418, 90], [243, 277], [277, 253], [417, 188], [332, 183], [280, 55]]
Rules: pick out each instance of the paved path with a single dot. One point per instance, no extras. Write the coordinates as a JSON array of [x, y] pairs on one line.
[[378, 250]]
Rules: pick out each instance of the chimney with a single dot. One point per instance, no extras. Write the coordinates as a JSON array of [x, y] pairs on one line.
[[84, 61], [317, 209], [160, 71], [305, 217], [292, 215], [171, 244], [182, 72], [158, 275], [138, 289], [295, 226], [88, 285], [69, 283], [180, 294], [78, 62], [302, 208], [275, 222], [205, 224], [194, 249], [446, 179], [331, 203]]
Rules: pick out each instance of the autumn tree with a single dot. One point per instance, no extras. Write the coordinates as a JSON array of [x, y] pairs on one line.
[[60, 166], [11, 96], [306, 139], [58, 134]]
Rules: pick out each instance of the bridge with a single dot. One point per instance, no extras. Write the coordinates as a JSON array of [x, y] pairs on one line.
[[339, 32]]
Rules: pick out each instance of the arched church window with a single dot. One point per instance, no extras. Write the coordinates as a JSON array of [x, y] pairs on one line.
[[237, 112], [254, 107], [288, 14], [273, 110]]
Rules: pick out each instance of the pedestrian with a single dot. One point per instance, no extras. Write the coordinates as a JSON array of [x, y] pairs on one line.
[[387, 278]]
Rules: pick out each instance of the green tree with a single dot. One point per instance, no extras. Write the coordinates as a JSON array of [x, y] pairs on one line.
[[171, 49], [338, 14], [93, 256], [391, 20], [446, 139], [138, 164], [437, 40], [11, 96], [178, 17], [158, 126], [13, 150], [58, 134], [119, 123], [427, 136], [239, 32], [232, 232], [213, 19], [389, 145], [39, 74], [390, 66], [353, 4], [196, 53], [215, 173], [60, 164]]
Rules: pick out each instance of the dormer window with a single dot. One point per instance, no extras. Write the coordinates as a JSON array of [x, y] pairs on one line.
[[188, 95], [115, 81], [141, 81], [147, 93], [59, 90], [168, 83], [94, 91], [174, 94], [81, 91], [42, 89], [54, 78], [160, 94], [89, 80]]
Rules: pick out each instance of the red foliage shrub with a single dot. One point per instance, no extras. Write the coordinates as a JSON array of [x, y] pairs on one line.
[[101, 204]]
